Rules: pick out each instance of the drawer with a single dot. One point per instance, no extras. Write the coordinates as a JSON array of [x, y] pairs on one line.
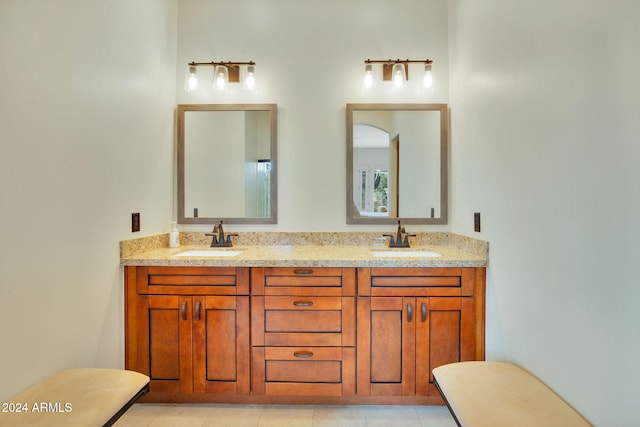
[[303, 271], [192, 280], [306, 365], [303, 314], [304, 371], [319, 281], [303, 321], [304, 277], [302, 303], [425, 282]]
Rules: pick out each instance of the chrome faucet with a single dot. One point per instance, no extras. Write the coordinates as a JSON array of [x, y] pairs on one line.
[[399, 242], [218, 240]]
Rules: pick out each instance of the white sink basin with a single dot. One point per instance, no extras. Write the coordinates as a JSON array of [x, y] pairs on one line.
[[406, 254], [210, 252]]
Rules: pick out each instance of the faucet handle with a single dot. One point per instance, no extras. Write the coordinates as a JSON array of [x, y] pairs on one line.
[[229, 235], [392, 241], [214, 241], [406, 243]]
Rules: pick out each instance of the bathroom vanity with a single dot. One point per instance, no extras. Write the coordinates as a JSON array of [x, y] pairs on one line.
[[307, 320]]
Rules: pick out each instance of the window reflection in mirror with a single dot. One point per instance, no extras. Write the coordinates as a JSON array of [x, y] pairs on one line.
[[397, 163], [226, 163]]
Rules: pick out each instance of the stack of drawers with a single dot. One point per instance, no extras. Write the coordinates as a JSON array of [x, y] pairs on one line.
[[303, 331]]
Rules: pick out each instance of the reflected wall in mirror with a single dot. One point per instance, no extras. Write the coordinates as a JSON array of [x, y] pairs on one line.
[[227, 163], [397, 163]]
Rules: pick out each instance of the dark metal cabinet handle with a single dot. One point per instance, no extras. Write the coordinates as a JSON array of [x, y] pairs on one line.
[[303, 354], [184, 310], [198, 304], [302, 271], [409, 313], [424, 312], [303, 303]]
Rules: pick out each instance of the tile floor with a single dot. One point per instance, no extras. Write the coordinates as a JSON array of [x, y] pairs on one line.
[[208, 415]]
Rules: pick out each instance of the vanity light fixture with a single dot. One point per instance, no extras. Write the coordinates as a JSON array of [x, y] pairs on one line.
[[191, 82], [427, 78], [250, 78], [397, 71], [368, 76], [220, 77], [223, 74]]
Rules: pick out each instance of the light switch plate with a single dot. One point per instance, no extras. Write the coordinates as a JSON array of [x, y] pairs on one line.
[[476, 221]]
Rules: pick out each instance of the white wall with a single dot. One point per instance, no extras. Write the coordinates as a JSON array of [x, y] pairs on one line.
[[310, 61], [545, 134], [86, 115]]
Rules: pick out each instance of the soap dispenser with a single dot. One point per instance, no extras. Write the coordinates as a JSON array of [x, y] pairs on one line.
[[174, 235]]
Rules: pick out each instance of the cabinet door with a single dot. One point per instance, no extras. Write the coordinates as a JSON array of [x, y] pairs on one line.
[[168, 337], [221, 344], [386, 346], [444, 334], [401, 340]]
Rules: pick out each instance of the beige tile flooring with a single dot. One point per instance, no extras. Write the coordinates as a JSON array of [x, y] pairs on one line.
[[209, 415]]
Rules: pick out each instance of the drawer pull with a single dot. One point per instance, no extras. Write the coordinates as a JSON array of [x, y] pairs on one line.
[[409, 313], [424, 312], [302, 271], [303, 303], [303, 354], [184, 310], [198, 310]]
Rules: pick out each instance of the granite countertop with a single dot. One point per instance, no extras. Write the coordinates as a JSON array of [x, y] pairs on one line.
[[307, 250]]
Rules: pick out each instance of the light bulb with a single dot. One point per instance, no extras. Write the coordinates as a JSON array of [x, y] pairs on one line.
[[191, 82], [220, 78], [368, 76], [427, 78], [250, 79], [398, 75]]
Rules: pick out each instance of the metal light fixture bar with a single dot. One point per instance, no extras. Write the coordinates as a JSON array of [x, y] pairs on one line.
[[387, 65], [233, 67]]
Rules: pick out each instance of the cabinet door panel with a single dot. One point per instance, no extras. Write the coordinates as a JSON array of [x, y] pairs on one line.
[[221, 345], [440, 339], [391, 352], [220, 337], [445, 320], [170, 343], [386, 346], [164, 344]]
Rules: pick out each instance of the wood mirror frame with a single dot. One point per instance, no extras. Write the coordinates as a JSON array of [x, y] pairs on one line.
[[354, 215], [269, 136]]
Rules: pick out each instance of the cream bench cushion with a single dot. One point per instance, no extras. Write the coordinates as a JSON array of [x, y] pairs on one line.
[[76, 397], [496, 394]]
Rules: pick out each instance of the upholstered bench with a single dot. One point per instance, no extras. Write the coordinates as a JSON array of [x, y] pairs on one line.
[[496, 394], [77, 397]]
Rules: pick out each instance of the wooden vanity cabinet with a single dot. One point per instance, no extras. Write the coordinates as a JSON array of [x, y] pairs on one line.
[[300, 335], [303, 331], [188, 329], [411, 320]]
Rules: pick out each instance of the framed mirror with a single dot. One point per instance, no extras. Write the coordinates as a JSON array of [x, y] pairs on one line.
[[397, 163], [227, 163]]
